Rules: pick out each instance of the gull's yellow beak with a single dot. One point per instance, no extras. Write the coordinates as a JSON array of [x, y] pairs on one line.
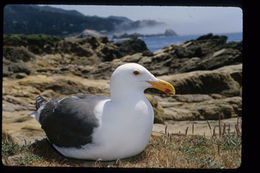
[[162, 86]]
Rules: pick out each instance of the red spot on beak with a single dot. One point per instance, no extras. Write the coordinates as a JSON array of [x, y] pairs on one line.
[[167, 90]]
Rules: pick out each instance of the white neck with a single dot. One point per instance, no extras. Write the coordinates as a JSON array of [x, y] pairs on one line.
[[120, 95], [122, 92]]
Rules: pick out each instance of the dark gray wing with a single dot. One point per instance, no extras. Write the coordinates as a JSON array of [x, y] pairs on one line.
[[70, 122]]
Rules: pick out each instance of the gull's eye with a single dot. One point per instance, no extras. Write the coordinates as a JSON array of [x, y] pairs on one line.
[[136, 72]]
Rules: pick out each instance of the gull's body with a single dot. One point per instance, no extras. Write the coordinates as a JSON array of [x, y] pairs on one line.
[[100, 127]]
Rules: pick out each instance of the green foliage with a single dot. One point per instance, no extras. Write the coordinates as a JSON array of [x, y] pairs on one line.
[[231, 142], [41, 39], [195, 146], [28, 159], [21, 45], [9, 149], [27, 40]]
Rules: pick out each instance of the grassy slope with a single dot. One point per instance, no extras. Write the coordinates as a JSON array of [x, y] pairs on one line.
[[174, 151]]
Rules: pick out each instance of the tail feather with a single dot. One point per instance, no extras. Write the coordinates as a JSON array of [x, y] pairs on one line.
[[39, 102]]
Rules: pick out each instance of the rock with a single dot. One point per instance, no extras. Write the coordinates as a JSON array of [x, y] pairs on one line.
[[89, 33], [10, 107], [206, 53], [20, 94], [6, 72], [135, 58], [20, 67], [207, 75], [20, 75], [159, 115], [131, 46], [16, 54], [21, 128], [221, 58], [205, 82], [169, 32], [65, 85], [213, 110], [11, 88], [206, 109], [179, 114], [235, 72], [210, 43], [222, 108], [184, 52], [147, 53], [189, 98], [188, 65], [78, 47], [210, 36], [235, 45], [110, 53]]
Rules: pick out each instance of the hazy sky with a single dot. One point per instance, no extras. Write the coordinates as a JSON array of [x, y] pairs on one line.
[[183, 20]]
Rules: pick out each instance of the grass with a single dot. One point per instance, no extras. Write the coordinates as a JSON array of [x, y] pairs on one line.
[[165, 151]]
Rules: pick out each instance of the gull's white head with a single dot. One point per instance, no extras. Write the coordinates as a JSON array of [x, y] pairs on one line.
[[134, 78]]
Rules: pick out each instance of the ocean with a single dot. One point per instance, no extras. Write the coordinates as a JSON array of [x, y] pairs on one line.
[[156, 43]]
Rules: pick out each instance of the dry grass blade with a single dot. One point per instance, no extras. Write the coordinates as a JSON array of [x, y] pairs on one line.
[[165, 140], [209, 127], [237, 129], [186, 131], [192, 129], [214, 131], [218, 148], [165, 130], [224, 129], [228, 129], [219, 125], [239, 122]]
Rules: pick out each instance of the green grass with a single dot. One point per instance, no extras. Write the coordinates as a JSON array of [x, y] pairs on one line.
[[172, 151]]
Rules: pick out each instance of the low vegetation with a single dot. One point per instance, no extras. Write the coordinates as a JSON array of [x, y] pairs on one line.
[[163, 151], [30, 39]]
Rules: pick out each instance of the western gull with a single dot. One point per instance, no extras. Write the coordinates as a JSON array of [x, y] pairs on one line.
[[98, 127]]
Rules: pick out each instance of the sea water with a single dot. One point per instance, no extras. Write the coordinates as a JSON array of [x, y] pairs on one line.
[[159, 42]]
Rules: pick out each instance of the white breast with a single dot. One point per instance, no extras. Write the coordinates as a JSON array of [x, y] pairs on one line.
[[121, 133]]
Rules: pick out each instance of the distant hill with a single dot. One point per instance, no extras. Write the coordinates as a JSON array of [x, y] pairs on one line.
[[34, 19]]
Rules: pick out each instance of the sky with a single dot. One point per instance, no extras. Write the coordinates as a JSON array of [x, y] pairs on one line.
[[183, 20]]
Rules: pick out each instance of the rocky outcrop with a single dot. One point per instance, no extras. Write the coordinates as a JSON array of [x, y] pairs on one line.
[[63, 56], [88, 33], [197, 108], [193, 99], [96, 57], [207, 82], [131, 46], [49, 86], [206, 73], [168, 32]]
